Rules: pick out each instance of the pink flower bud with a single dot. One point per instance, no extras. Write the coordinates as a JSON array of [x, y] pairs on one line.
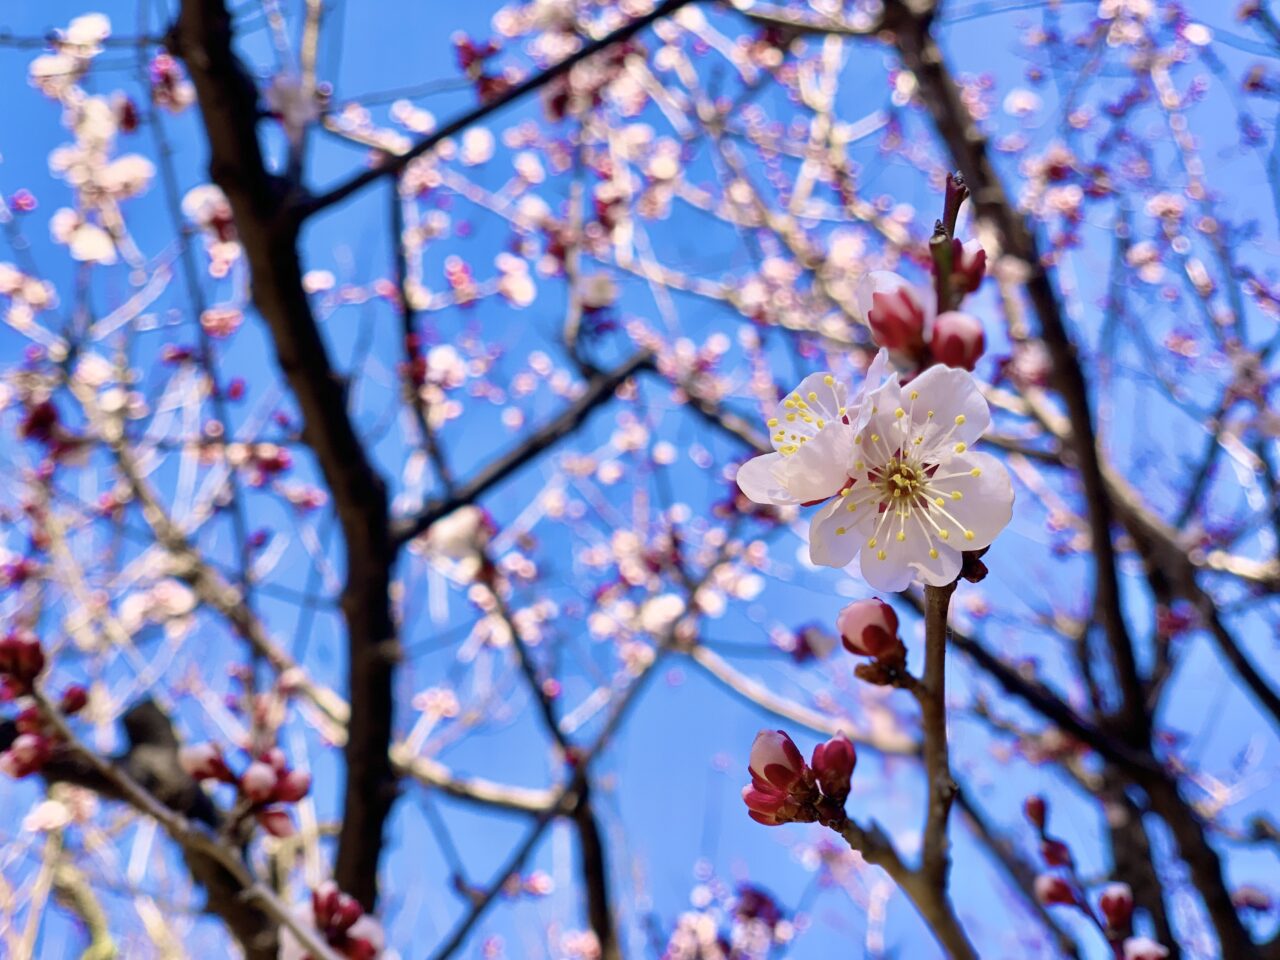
[[25, 755], [768, 806], [897, 319], [324, 898], [1116, 904], [258, 782], [1036, 811], [203, 761], [957, 340], [275, 758], [968, 265], [1055, 853], [776, 760], [275, 820], [1052, 890], [293, 786], [1143, 948], [346, 911], [869, 628], [833, 764]]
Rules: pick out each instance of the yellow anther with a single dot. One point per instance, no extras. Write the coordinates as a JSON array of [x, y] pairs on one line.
[[841, 531], [899, 413], [791, 418], [956, 495], [960, 448], [828, 379], [880, 554], [915, 394], [789, 404], [901, 536], [930, 415], [851, 507], [821, 423], [945, 534], [875, 438], [939, 501], [772, 422], [789, 449], [933, 554], [872, 543], [959, 419], [968, 534], [975, 472]]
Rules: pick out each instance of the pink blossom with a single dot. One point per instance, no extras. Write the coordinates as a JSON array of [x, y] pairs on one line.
[[869, 628], [204, 762], [957, 340], [833, 764], [776, 760], [1143, 948], [1051, 890], [1116, 904]]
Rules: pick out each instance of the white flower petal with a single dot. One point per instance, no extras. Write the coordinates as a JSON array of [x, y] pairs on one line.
[[950, 394], [985, 504], [756, 479], [92, 244], [819, 469], [833, 536], [886, 567]]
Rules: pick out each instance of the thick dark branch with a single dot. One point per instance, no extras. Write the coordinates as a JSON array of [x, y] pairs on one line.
[[268, 229], [599, 389], [393, 165], [931, 693], [968, 149]]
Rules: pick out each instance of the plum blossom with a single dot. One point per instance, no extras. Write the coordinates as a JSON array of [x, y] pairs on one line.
[[813, 433], [915, 496]]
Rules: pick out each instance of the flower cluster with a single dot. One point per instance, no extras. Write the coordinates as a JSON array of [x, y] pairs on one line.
[[785, 789], [341, 923], [1060, 885], [905, 320], [266, 783], [893, 466], [22, 660]]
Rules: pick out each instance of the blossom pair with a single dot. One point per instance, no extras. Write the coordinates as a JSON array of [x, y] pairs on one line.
[[892, 465]]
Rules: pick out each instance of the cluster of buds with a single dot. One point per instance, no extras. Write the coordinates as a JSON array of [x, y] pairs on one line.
[[341, 924], [338, 917], [921, 327], [36, 737], [474, 58], [1114, 914], [266, 783], [22, 660], [785, 789]]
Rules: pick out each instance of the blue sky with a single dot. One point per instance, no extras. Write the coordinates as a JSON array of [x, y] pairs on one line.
[[679, 765]]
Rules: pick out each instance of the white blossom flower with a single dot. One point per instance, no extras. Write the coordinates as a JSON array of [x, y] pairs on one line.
[[916, 496], [813, 432]]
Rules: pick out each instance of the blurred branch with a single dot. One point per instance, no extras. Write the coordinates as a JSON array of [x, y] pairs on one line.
[[268, 229], [599, 389], [393, 165]]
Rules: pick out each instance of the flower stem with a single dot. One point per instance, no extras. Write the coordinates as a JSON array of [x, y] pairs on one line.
[[931, 694]]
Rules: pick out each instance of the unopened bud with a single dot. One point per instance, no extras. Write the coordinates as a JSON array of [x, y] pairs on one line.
[[1052, 890], [833, 764], [869, 628], [957, 340]]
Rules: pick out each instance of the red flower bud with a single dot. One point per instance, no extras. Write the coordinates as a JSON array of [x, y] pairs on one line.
[[957, 340], [1116, 904], [869, 628], [833, 764], [1055, 853], [1052, 890], [74, 699], [968, 265], [293, 786], [204, 762], [1036, 811], [768, 806], [897, 319], [25, 755]]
